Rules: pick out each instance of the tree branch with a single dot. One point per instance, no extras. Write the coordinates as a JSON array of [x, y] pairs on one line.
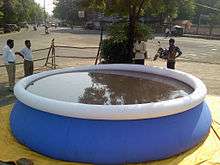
[[139, 9]]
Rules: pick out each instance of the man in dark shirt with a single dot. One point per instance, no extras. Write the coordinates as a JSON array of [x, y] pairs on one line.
[[172, 53]]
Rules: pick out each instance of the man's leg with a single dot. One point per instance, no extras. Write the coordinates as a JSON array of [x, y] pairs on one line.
[[8, 72], [25, 68], [171, 64], [31, 69], [28, 68], [174, 65], [140, 62], [11, 75]]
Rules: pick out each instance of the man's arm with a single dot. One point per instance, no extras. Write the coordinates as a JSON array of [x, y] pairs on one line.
[[179, 52], [145, 50], [145, 55], [18, 53], [5, 56], [134, 46]]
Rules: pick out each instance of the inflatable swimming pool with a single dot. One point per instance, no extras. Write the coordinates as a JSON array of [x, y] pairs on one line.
[[110, 134]]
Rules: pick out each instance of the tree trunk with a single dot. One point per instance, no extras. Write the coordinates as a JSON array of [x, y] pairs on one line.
[[131, 30], [133, 21]]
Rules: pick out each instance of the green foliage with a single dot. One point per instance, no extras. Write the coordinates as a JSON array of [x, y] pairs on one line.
[[212, 17], [186, 9], [152, 7], [119, 32], [162, 8], [14, 11], [114, 52], [8, 10], [114, 49], [144, 31], [68, 10], [1, 15]]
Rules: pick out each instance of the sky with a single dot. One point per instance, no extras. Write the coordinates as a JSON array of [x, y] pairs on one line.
[[49, 5]]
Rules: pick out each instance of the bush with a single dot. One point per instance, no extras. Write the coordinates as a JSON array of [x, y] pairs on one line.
[[114, 52], [144, 31], [115, 49], [118, 32]]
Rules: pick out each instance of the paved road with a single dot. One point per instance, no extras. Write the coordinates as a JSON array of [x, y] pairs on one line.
[[62, 36], [193, 49]]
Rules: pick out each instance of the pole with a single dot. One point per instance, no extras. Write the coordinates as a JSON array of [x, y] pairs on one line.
[[45, 12]]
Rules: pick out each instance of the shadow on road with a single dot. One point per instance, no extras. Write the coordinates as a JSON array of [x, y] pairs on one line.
[[6, 97], [75, 31]]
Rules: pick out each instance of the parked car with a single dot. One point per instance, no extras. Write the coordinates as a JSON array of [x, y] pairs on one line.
[[92, 25], [177, 31], [11, 28], [15, 27], [7, 28]]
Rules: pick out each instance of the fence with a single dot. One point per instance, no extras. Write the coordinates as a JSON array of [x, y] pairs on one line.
[[65, 57], [61, 52], [204, 30]]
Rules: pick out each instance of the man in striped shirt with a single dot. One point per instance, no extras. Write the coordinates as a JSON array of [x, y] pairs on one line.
[[172, 53]]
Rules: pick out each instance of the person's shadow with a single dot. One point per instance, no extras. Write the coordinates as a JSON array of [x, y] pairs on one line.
[[6, 97]]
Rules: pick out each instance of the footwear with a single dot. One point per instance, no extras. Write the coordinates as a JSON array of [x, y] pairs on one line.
[[7, 163], [24, 161], [11, 89]]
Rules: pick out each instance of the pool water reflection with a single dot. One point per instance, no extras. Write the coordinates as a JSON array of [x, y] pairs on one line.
[[109, 87]]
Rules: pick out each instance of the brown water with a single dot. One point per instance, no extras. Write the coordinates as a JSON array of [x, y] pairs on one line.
[[109, 87]]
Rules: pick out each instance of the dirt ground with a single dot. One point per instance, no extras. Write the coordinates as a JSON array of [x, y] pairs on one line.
[[208, 73]]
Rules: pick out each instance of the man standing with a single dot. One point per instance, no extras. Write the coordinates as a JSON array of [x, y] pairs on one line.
[[9, 60], [140, 52], [167, 32], [172, 54], [26, 54], [46, 29]]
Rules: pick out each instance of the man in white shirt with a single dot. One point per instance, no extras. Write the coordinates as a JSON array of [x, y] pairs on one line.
[[26, 54], [140, 52], [9, 60]]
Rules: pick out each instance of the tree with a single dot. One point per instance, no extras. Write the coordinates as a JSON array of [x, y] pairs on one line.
[[1, 13], [35, 13], [14, 11], [186, 9], [9, 12], [214, 18], [133, 9], [67, 10], [130, 8], [209, 9]]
